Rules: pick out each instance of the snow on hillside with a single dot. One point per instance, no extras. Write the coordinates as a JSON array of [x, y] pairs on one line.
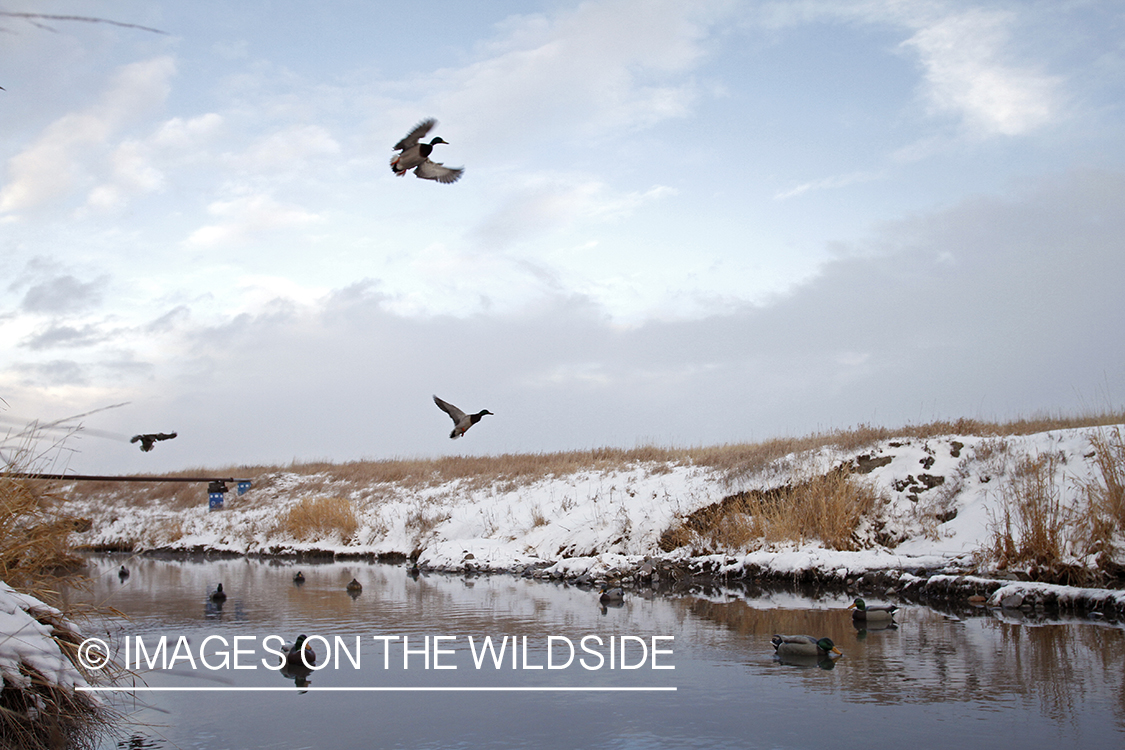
[[941, 497]]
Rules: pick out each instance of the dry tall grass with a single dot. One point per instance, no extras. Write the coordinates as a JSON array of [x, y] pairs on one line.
[[825, 507], [36, 558], [1054, 540], [512, 470], [320, 518]]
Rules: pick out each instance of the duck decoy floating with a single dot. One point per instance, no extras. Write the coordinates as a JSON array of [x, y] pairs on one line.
[[804, 645], [611, 594], [299, 578], [149, 438], [416, 156], [461, 421], [354, 586], [293, 652], [864, 613], [218, 595], [123, 573]]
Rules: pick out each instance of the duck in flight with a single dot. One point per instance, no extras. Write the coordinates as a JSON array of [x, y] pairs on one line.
[[148, 439], [416, 156], [461, 421]]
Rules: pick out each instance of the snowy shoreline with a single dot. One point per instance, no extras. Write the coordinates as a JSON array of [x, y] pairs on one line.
[[941, 500]]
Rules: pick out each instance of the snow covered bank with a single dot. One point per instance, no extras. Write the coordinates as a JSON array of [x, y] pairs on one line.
[[942, 505], [40, 704]]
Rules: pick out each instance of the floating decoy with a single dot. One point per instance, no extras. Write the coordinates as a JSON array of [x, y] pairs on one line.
[[299, 578], [293, 652], [860, 611], [355, 586], [149, 438], [218, 595], [803, 645], [461, 421], [614, 594], [123, 573], [416, 156]]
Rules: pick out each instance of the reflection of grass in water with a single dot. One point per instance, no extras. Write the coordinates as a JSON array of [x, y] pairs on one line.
[[36, 558], [1067, 669]]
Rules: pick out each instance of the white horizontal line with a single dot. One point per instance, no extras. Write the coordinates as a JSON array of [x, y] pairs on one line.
[[145, 688]]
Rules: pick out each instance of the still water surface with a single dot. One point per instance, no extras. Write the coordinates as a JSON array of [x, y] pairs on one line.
[[937, 680]]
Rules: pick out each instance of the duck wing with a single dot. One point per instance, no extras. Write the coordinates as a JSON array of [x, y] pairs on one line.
[[454, 413], [429, 170], [416, 134]]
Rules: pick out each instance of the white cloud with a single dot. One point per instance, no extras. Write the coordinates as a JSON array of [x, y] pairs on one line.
[[970, 73], [542, 203], [287, 149], [65, 156], [246, 216], [619, 64]]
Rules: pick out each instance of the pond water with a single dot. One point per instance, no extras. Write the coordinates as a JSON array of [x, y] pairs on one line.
[[672, 671]]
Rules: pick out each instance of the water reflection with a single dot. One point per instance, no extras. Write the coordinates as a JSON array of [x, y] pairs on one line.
[[930, 674]]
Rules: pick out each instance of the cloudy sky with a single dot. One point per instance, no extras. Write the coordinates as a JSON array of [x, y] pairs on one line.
[[680, 222]]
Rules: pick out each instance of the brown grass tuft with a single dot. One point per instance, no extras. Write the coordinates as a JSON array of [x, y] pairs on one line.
[[826, 507], [35, 550], [318, 518]]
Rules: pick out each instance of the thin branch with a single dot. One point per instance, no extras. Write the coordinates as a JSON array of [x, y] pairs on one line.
[[86, 19]]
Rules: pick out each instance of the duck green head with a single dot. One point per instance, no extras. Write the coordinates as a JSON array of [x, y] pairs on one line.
[[299, 642], [858, 604], [826, 644]]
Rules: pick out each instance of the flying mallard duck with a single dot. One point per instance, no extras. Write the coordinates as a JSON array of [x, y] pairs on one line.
[[293, 652], [461, 421], [803, 645], [218, 595], [148, 439], [416, 156], [354, 586], [860, 611]]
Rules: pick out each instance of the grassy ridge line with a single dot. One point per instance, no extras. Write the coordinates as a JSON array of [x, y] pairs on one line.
[[512, 470]]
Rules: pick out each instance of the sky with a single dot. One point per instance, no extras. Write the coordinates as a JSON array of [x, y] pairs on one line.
[[679, 223]]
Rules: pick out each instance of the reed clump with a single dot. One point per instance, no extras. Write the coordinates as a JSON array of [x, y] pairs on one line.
[[826, 507], [319, 518], [1077, 541], [35, 550], [36, 558]]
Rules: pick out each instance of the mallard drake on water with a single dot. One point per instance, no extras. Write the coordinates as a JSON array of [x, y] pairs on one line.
[[416, 156], [293, 652], [860, 611], [354, 585], [218, 595], [461, 421], [148, 439], [612, 594], [299, 578], [803, 645], [123, 573]]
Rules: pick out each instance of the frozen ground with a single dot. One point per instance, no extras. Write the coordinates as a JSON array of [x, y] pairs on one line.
[[941, 499]]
